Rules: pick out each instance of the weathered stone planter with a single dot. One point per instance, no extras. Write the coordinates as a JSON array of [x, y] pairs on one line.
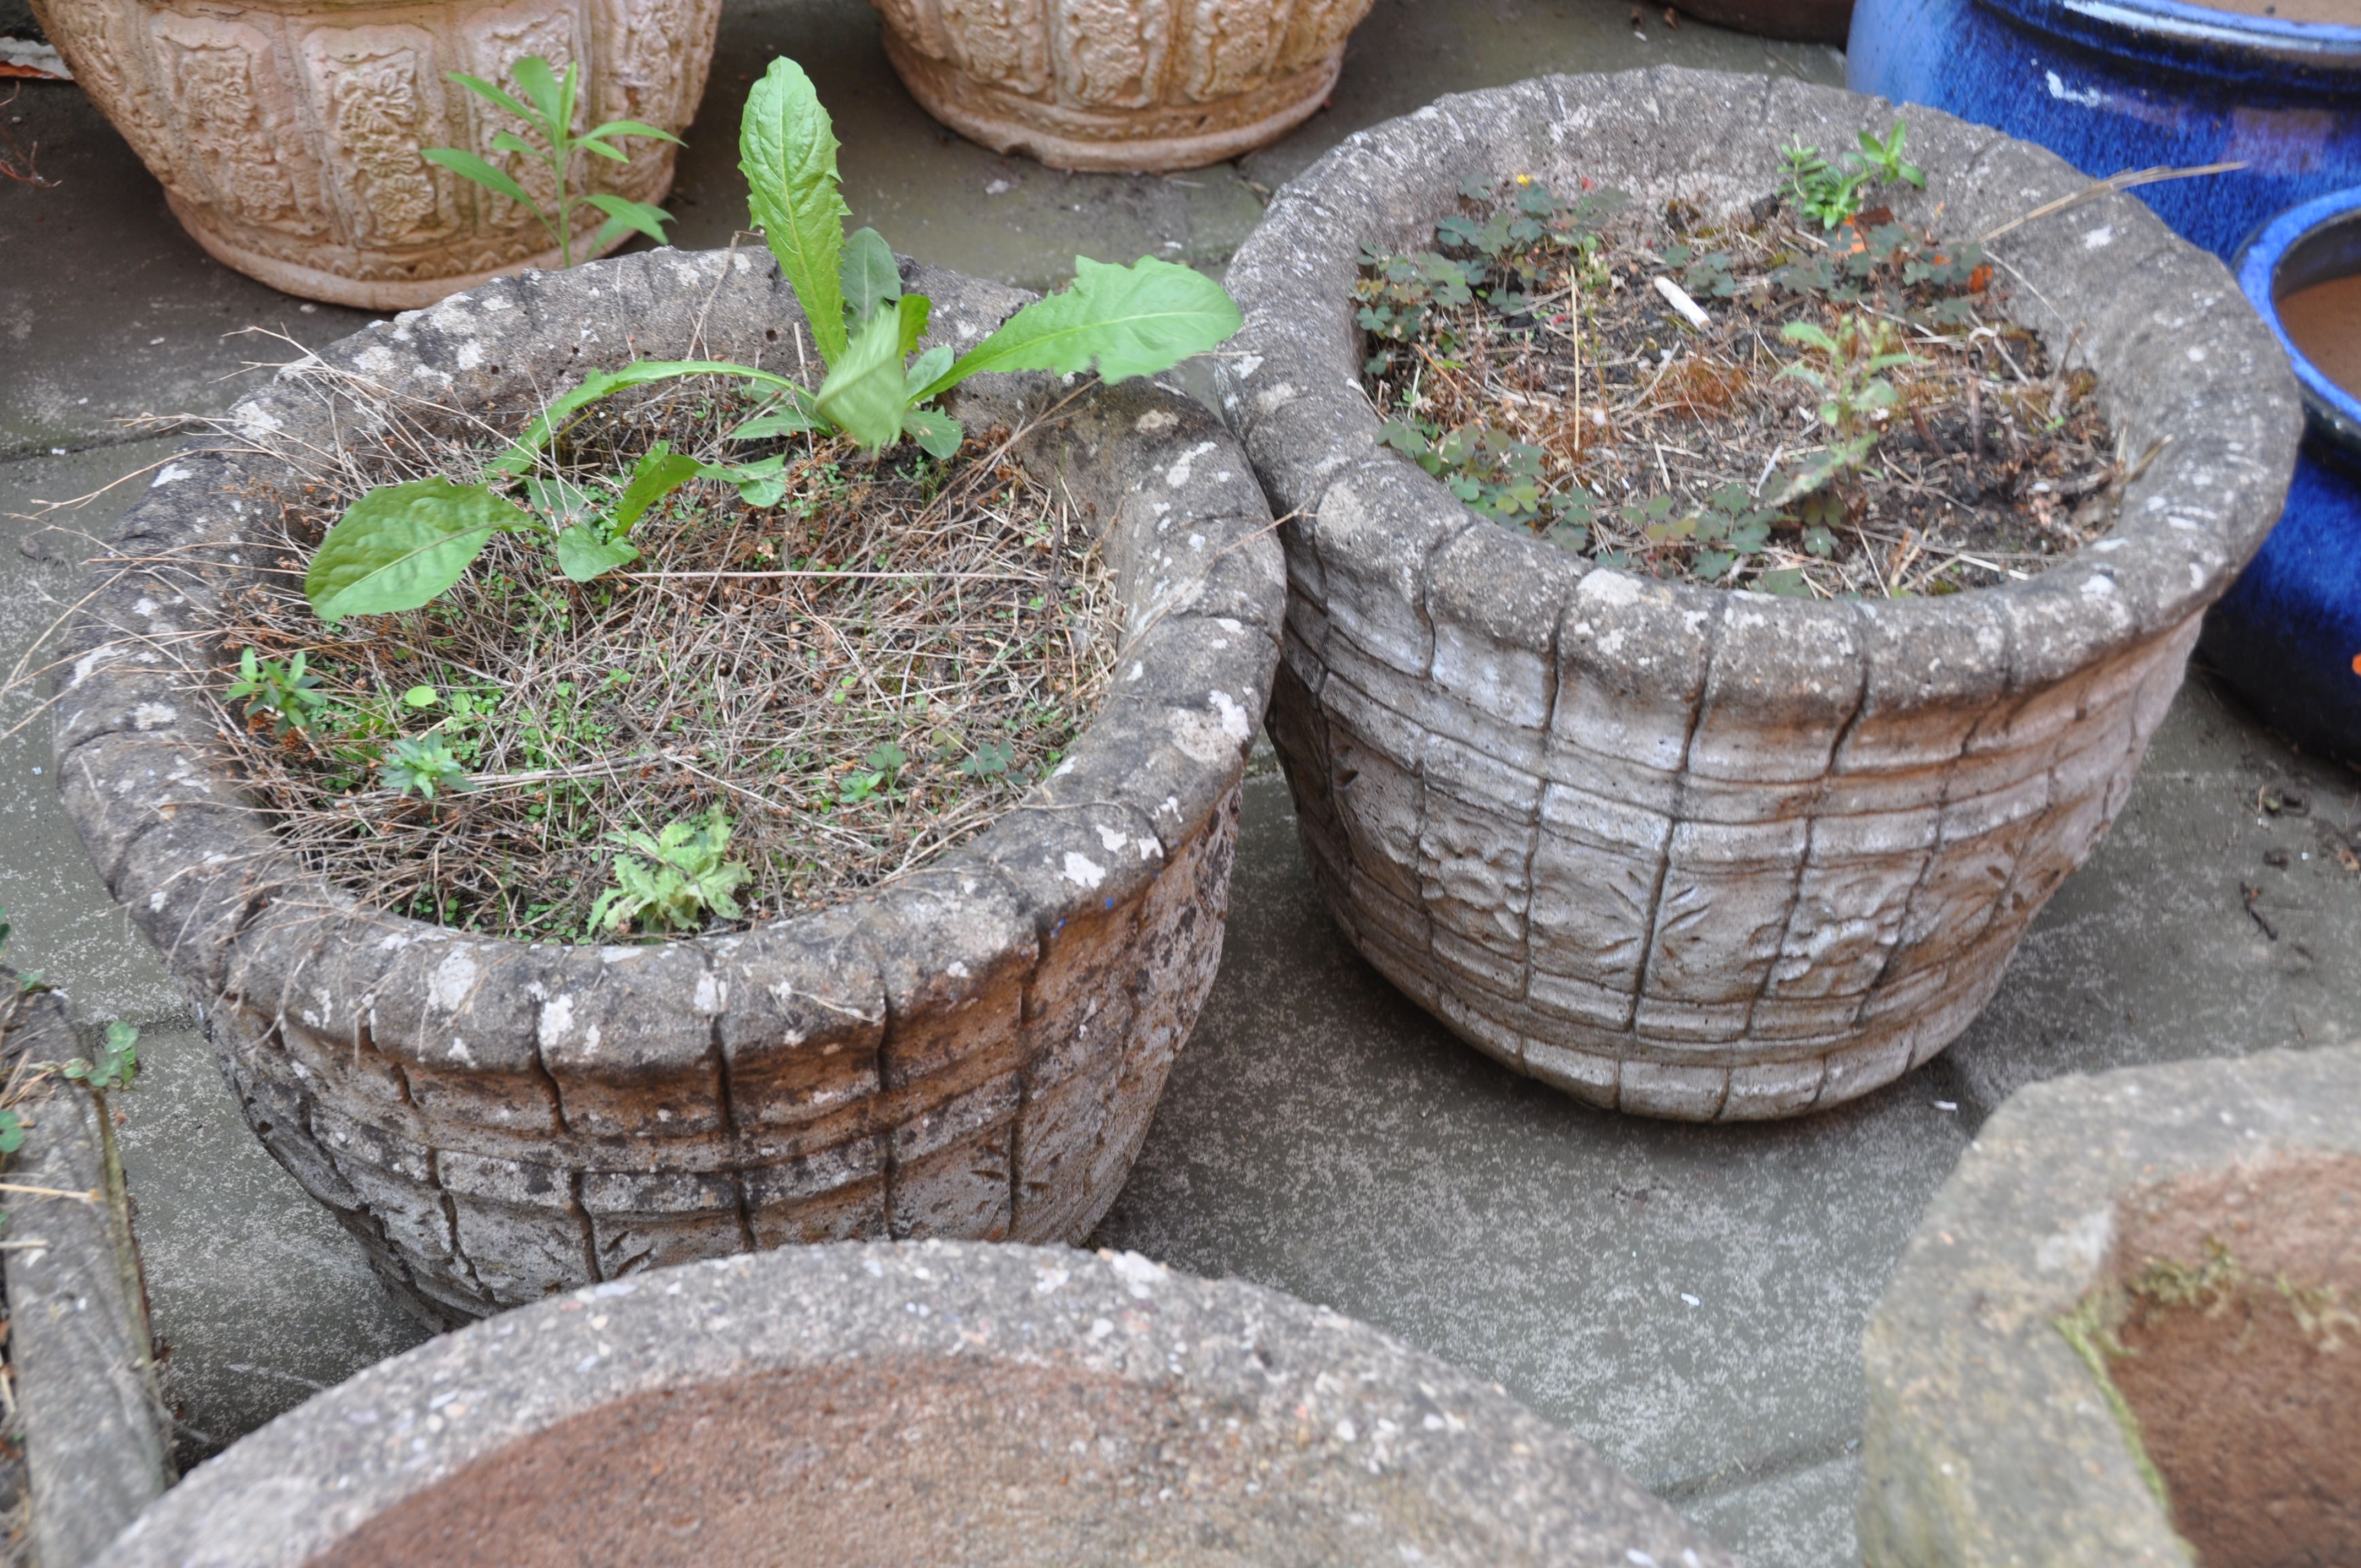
[[1692, 852], [1988, 1439], [972, 1050], [97, 1436], [1143, 85], [929, 1403], [287, 136]]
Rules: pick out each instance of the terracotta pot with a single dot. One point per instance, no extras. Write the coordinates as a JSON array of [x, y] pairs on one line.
[[1803, 21], [1145, 85], [875, 1407], [972, 1050], [287, 136], [1688, 851], [2231, 1435]]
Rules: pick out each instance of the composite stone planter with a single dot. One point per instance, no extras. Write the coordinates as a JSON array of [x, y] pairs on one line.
[[1687, 851], [1126, 85], [1990, 1441], [972, 1050], [921, 1403], [287, 135]]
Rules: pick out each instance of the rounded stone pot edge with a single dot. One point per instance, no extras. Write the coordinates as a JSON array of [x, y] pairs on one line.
[[298, 1485], [1987, 1440], [1151, 781], [2206, 374]]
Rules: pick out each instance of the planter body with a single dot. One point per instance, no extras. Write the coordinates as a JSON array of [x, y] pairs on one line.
[[2113, 85], [1804, 21], [1988, 1442], [2288, 634], [1146, 85], [96, 1434], [287, 135], [972, 1050], [885, 1405], [1676, 850]]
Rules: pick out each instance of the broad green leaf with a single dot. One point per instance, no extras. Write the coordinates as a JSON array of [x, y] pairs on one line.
[[914, 311], [936, 432], [469, 167], [624, 213], [791, 417], [541, 85], [868, 274], [485, 90], [786, 150], [865, 394], [659, 472], [1130, 320], [927, 367], [760, 484], [401, 546], [559, 501], [582, 555], [519, 458]]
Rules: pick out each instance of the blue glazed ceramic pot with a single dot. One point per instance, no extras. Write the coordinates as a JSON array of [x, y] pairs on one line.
[[2110, 85], [2289, 633]]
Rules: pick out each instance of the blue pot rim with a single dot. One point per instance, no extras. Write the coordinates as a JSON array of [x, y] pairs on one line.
[[2334, 412], [2226, 44]]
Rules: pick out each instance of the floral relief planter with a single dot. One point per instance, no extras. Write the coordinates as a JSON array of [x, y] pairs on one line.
[[1694, 852], [972, 1050], [287, 136], [1990, 1441], [1124, 85], [861, 1407]]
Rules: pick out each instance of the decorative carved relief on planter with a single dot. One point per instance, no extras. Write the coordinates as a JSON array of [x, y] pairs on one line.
[[288, 142], [1120, 84]]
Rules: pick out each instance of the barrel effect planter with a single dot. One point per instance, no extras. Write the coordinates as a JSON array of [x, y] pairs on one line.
[[1687, 851], [1121, 85], [972, 1050], [1989, 1441], [918, 1403], [287, 135]]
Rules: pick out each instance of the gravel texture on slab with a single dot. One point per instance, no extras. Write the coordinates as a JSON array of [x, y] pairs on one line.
[[935, 1401], [1702, 853], [972, 1050], [1989, 1442]]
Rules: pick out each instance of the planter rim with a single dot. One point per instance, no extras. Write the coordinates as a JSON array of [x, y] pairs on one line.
[[2167, 548], [305, 1481], [1085, 838], [2334, 412], [1986, 1433], [2198, 38]]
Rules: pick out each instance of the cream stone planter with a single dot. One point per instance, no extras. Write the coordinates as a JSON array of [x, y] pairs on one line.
[[287, 136], [1144, 85], [1692, 852], [878, 1407], [972, 1050]]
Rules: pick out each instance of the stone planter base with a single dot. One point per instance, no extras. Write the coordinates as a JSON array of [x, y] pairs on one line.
[[1160, 139], [1992, 1442], [858, 1405]]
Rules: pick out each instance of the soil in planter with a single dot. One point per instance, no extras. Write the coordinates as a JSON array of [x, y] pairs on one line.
[[1546, 361], [857, 678], [2237, 1350], [2324, 323]]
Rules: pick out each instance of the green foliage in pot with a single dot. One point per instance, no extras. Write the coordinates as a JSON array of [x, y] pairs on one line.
[[402, 546]]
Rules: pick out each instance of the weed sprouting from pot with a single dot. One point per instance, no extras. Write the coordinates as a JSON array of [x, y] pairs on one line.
[[547, 109], [685, 878], [424, 765], [279, 691], [1829, 192]]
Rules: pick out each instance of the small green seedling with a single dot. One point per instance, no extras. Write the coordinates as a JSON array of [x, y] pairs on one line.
[[685, 877], [401, 546], [278, 689], [116, 1064], [875, 776], [423, 764], [1853, 389], [12, 1131], [1829, 192], [547, 109]]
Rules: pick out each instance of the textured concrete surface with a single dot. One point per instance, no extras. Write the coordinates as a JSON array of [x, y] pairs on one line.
[[1320, 1133]]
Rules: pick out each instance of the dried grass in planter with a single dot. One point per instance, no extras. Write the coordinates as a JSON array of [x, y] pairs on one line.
[[858, 677], [1746, 403]]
